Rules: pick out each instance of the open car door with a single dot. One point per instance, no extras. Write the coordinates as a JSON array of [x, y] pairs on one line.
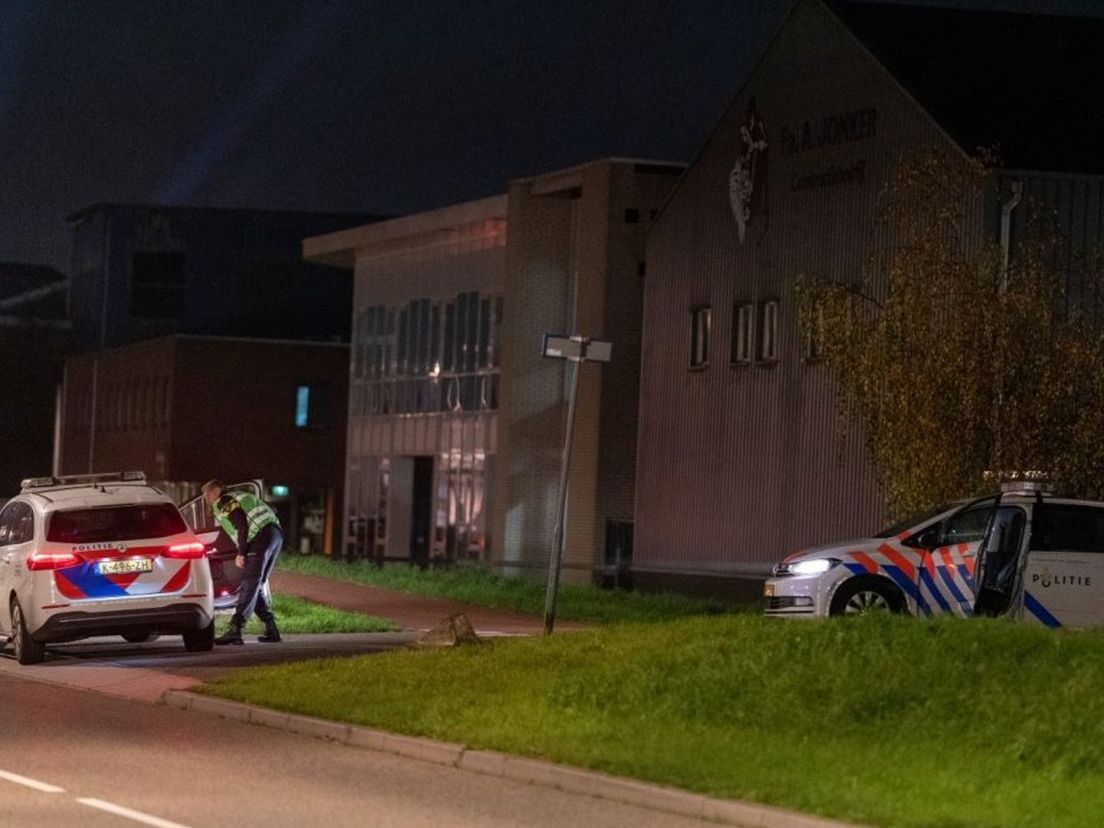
[[1001, 560], [225, 575]]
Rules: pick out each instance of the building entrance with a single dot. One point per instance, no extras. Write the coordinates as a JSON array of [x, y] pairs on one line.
[[421, 511]]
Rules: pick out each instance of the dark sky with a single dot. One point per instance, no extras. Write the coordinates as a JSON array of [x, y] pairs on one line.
[[381, 106]]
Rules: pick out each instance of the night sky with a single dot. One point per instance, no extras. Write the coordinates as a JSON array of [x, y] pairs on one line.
[[380, 106]]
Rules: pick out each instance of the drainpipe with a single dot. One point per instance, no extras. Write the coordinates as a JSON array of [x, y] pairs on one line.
[[1006, 230]]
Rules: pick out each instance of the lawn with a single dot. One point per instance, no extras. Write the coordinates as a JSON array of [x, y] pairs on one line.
[[294, 615], [477, 585], [885, 721]]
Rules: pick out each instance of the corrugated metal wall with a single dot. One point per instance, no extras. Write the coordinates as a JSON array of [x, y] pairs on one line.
[[739, 465]]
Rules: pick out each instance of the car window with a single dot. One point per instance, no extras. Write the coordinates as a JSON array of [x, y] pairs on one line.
[[115, 523], [1063, 528], [21, 526], [7, 518], [966, 526]]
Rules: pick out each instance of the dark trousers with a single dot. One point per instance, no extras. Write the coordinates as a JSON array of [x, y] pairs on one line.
[[260, 557]]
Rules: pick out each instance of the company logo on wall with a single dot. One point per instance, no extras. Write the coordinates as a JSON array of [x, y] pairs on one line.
[[747, 183]]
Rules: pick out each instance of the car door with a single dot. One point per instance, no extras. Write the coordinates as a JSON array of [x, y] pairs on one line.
[[16, 543], [225, 574], [1001, 557], [7, 562], [948, 558], [1064, 576]]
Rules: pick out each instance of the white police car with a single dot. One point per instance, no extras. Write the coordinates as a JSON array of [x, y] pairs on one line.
[[922, 565], [104, 554], [1022, 554]]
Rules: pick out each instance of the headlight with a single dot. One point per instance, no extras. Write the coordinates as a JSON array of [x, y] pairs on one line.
[[816, 566]]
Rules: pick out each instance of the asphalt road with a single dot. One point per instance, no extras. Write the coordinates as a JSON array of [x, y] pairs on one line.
[[116, 762]]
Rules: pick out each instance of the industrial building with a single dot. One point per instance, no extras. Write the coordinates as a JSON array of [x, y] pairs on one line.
[[456, 422], [741, 459]]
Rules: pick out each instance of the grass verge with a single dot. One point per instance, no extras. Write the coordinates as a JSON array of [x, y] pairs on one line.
[[892, 722], [294, 615], [477, 585]]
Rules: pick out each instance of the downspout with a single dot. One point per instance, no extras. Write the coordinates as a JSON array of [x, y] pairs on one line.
[[1006, 231]]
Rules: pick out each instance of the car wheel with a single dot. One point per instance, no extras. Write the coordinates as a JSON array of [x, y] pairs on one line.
[[197, 641], [27, 650], [866, 596], [140, 638]]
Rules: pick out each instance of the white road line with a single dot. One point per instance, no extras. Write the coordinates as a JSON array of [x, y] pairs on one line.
[[30, 783], [137, 816]]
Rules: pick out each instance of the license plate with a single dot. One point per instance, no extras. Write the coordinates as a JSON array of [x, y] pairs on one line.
[[124, 567], [768, 590]]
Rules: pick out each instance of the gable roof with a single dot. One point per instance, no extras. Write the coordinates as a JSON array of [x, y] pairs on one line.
[[1026, 85]]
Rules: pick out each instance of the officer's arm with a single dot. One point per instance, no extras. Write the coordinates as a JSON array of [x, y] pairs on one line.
[[241, 525]]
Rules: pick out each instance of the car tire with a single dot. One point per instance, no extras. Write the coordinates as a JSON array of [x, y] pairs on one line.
[[140, 638], [866, 595], [201, 640], [27, 649]]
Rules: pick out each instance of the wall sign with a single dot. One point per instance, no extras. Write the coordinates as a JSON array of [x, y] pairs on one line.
[[747, 183]]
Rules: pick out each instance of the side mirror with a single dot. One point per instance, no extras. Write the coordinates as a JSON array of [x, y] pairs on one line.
[[928, 539]]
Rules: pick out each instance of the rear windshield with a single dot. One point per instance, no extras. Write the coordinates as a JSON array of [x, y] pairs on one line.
[[115, 523]]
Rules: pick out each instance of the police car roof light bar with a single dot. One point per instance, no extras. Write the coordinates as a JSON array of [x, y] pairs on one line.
[[34, 483]]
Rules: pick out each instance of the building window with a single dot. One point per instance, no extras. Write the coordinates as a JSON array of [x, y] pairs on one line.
[[157, 282], [700, 323], [768, 331], [743, 331], [309, 407]]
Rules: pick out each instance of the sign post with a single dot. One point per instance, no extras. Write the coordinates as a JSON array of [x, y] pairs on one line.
[[574, 349]]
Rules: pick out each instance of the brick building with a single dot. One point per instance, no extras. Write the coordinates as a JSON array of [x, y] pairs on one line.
[[185, 409]]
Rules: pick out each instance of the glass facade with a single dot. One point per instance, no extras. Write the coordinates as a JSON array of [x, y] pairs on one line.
[[423, 396], [427, 356]]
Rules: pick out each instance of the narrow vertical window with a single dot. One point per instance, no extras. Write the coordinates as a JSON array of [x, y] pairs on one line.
[[302, 406], [743, 331], [768, 331], [700, 323]]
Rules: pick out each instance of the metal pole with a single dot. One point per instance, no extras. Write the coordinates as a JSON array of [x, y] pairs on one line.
[[557, 547]]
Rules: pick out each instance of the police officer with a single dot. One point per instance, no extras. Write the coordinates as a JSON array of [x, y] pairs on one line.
[[255, 530]]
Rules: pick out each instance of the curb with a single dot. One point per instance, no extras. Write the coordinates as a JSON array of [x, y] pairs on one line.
[[531, 771]]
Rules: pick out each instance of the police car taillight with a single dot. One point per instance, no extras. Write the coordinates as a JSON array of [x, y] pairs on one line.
[[185, 550], [52, 560]]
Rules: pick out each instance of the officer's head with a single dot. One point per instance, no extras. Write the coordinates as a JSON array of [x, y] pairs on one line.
[[211, 491]]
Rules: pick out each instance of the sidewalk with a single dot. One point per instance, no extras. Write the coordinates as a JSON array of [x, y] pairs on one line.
[[410, 612]]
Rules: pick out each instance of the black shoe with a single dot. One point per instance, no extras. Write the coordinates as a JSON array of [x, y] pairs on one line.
[[231, 636], [271, 635]]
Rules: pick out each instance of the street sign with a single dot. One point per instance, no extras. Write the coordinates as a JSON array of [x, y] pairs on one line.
[[576, 348], [573, 349]]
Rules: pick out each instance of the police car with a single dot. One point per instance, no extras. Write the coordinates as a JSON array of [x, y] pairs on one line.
[[922, 565], [103, 554], [1022, 553]]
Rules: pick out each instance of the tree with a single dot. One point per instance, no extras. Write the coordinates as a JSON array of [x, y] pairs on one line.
[[956, 362]]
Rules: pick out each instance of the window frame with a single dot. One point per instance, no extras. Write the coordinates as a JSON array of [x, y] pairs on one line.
[[743, 335], [700, 335]]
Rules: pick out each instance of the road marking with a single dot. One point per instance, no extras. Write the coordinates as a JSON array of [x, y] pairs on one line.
[[30, 783], [137, 816]]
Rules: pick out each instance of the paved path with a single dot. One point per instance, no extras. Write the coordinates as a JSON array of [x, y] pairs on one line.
[[411, 612]]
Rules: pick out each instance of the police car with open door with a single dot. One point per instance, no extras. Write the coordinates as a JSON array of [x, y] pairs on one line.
[[221, 551], [100, 554], [923, 565]]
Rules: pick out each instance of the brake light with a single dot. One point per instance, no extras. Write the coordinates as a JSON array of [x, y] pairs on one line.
[[185, 550], [52, 560]]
